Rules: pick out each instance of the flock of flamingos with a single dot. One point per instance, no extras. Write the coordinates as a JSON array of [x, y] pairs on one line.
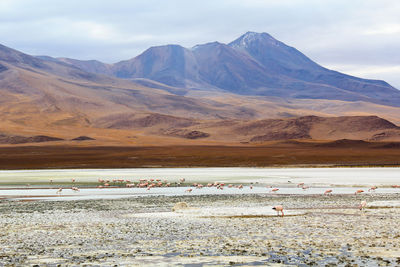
[[151, 183]]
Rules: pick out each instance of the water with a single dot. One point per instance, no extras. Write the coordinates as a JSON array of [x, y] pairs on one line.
[[340, 180], [327, 176]]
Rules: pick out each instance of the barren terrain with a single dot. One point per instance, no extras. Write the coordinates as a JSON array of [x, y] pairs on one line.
[[336, 153], [318, 230]]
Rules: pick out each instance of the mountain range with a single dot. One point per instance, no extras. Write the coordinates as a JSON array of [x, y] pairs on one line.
[[254, 64], [212, 92]]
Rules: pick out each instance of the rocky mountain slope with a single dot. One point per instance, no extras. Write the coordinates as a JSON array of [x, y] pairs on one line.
[[254, 64], [255, 89]]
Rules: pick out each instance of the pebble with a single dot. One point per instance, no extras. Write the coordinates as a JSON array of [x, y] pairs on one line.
[[99, 232]]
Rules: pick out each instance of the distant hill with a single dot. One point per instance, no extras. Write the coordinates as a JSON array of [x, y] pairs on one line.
[[252, 90]]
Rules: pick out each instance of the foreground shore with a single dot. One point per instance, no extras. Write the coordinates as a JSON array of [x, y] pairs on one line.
[[319, 230], [276, 154]]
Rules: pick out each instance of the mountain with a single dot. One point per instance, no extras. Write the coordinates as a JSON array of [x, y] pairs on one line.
[[230, 70], [255, 89], [43, 96], [171, 64], [254, 64], [281, 59]]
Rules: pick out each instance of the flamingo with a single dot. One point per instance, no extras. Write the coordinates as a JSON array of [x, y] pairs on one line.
[[328, 192], [274, 190], [182, 180], [362, 205], [189, 190], [278, 209], [304, 187], [373, 188], [359, 191], [75, 189], [300, 184]]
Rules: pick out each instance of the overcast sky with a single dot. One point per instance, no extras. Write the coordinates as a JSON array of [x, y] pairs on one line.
[[359, 37]]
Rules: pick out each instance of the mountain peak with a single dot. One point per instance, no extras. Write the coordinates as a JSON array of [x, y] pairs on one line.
[[165, 47], [211, 44], [250, 38]]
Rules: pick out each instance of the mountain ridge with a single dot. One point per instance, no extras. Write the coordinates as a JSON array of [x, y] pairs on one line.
[[253, 64], [171, 94]]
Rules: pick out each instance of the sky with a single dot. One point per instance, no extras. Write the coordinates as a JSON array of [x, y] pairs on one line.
[[358, 37]]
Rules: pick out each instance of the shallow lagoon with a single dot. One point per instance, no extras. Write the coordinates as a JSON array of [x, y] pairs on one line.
[[117, 226], [13, 184], [311, 176]]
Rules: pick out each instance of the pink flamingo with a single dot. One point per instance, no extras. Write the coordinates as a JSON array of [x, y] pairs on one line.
[[373, 188], [328, 192], [362, 205], [278, 209], [75, 189], [359, 191], [274, 190]]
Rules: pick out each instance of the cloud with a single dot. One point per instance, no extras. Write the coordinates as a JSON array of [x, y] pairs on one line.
[[387, 29], [331, 32]]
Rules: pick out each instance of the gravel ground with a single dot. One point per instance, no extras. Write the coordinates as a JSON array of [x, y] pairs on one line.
[[105, 232]]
